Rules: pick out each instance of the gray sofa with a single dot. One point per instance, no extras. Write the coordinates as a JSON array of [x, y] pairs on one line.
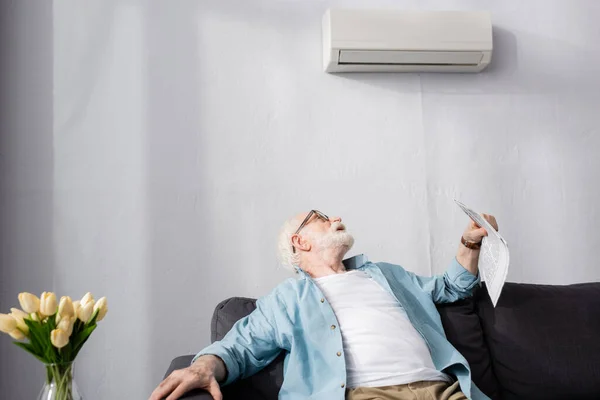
[[540, 342]]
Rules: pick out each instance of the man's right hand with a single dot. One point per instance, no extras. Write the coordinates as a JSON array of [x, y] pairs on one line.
[[204, 373]]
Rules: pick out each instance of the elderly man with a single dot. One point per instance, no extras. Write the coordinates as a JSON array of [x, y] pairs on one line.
[[350, 328]]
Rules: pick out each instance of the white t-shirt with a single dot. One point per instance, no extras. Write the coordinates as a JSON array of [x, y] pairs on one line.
[[381, 346]]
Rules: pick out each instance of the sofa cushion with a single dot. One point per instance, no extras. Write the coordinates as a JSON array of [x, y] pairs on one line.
[[544, 340], [463, 329], [268, 381]]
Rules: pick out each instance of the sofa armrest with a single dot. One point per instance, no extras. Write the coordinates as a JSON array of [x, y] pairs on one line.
[[183, 362]]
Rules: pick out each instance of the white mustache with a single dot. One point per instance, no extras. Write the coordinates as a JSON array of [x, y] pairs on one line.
[[338, 226]]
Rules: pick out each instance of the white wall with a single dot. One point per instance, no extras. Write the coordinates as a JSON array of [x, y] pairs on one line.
[[186, 132]]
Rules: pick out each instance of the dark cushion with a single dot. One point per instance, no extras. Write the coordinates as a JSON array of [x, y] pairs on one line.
[[267, 381], [463, 329], [544, 340]]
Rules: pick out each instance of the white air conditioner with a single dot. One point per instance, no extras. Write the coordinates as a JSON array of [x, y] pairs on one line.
[[406, 41]]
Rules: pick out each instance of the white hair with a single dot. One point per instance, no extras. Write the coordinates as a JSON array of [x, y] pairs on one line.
[[286, 254]]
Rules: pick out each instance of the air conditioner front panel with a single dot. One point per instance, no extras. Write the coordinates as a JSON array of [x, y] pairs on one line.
[[390, 57]]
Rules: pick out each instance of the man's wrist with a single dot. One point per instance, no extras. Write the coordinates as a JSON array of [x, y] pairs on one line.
[[466, 253], [216, 364], [468, 258]]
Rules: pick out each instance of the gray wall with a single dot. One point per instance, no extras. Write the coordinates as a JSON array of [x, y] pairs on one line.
[[185, 132], [26, 162]]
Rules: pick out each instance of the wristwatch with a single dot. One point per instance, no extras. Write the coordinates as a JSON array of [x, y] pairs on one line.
[[470, 245]]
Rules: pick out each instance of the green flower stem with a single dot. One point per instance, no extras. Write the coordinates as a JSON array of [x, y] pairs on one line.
[[61, 375]]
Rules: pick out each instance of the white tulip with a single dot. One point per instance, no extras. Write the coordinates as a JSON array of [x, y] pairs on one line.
[[87, 298], [66, 324], [20, 316], [102, 307], [48, 304], [65, 307], [76, 307], [30, 303], [7, 323], [17, 335], [59, 338], [85, 312]]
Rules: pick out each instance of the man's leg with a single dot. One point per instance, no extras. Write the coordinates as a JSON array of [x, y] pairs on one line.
[[397, 392], [437, 390], [424, 390]]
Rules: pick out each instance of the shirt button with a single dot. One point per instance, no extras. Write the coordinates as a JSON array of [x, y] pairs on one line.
[[322, 300], [343, 385], [339, 353], [332, 326]]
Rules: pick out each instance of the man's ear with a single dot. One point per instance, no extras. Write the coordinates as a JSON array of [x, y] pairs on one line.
[[299, 243]]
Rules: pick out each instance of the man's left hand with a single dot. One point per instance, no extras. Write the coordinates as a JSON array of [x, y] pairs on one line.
[[475, 233], [469, 257]]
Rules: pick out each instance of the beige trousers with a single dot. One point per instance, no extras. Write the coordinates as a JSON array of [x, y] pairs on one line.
[[423, 390]]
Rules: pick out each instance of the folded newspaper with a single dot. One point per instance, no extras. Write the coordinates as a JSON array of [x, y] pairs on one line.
[[493, 257]]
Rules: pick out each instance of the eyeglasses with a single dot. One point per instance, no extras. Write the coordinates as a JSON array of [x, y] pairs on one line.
[[319, 215]]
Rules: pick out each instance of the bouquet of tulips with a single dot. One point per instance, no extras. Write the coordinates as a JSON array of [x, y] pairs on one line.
[[54, 332]]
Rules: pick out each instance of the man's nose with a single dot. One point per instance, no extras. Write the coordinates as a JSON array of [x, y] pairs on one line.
[[335, 219]]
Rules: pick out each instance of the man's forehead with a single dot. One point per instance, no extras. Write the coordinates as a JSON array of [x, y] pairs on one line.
[[301, 216], [297, 220]]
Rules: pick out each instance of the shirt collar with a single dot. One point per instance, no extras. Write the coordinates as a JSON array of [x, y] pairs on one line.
[[349, 263], [355, 262]]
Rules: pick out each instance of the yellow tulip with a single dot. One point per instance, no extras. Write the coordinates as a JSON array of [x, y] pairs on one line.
[[30, 303], [87, 298], [66, 324], [20, 317], [48, 304], [85, 312], [17, 335], [59, 338], [34, 317], [102, 307], [7, 323], [65, 307]]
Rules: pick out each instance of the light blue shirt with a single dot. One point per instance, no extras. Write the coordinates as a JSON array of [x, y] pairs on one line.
[[297, 318]]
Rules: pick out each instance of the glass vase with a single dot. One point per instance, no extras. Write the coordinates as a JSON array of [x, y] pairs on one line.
[[60, 384]]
